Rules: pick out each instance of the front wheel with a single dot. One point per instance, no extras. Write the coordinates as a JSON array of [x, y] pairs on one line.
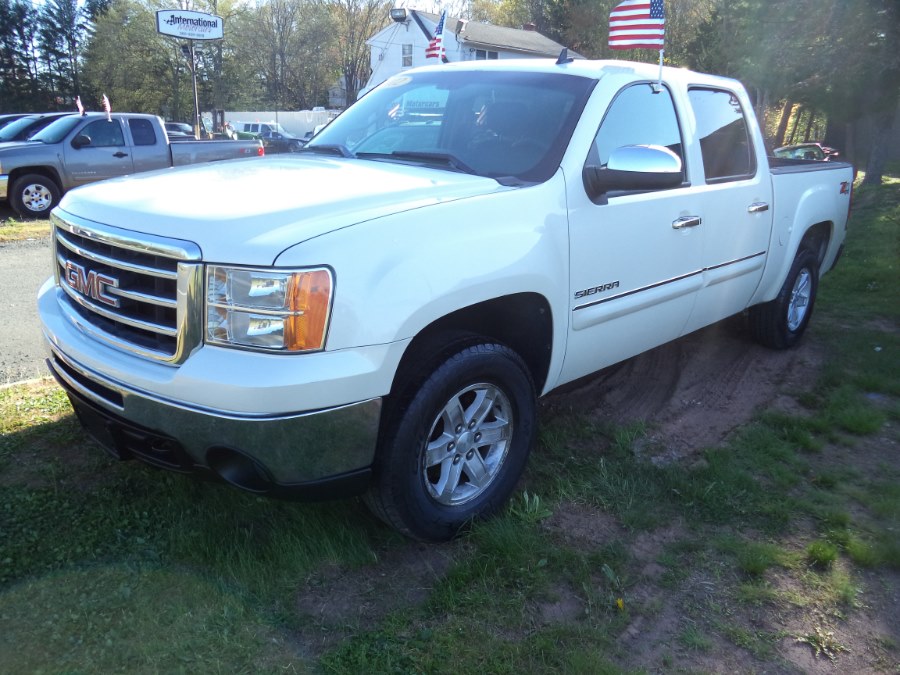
[[780, 323], [457, 449], [34, 196]]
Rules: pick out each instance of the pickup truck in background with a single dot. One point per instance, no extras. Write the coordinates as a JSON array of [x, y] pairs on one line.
[[76, 150], [460, 241]]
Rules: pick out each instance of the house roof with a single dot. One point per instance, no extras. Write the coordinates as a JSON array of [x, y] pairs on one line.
[[474, 33]]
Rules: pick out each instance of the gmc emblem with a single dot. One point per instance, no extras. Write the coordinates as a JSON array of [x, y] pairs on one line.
[[91, 284]]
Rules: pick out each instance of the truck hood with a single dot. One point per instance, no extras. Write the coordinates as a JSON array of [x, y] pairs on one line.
[[16, 147], [251, 210]]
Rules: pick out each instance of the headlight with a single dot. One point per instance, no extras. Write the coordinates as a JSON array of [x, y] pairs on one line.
[[279, 310]]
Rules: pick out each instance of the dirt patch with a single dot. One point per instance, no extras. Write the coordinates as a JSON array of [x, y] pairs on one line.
[[692, 393]]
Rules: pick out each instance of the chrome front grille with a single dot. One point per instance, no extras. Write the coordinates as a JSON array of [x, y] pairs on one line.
[[137, 292]]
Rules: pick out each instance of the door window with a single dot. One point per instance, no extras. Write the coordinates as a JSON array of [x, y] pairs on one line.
[[142, 132], [639, 115], [724, 137], [104, 134]]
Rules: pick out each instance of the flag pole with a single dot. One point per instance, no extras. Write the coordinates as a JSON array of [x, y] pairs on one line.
[[661, 52]]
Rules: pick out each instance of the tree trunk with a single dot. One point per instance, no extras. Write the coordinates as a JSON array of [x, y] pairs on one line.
[[794, 126], [786, 112], [809, 123], [883, 124]]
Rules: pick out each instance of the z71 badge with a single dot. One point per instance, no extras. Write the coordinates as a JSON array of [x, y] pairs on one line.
[[596, 289]]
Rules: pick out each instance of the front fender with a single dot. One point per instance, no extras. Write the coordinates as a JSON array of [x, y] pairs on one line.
[[397, 274]]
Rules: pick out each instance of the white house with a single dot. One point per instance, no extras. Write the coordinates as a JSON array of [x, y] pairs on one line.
[[401, 45]]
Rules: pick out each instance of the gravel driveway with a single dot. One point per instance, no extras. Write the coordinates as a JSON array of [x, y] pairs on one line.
[[23, 268]]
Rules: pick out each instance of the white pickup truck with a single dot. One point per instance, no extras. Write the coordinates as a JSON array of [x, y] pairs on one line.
[[463, 239]]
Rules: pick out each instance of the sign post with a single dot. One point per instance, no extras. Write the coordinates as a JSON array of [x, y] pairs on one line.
[[191, 26]]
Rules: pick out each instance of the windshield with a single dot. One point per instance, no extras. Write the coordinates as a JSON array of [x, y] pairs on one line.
[[58, 130], [512, 126], [11, 130]]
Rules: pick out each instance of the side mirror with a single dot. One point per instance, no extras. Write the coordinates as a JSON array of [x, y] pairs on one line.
[[634, 167], [81, 141]]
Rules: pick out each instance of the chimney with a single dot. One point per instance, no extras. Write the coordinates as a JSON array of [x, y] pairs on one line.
[[529, 26]]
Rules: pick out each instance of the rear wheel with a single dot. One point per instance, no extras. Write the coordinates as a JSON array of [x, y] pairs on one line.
[[780, 323], [34, 196], [456, 449]]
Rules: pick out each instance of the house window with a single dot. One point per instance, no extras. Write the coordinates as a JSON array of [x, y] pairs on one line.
[[407, 56], [481, 55]]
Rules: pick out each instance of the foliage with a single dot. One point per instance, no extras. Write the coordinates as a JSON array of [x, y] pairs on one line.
[[829, 66], [606, 561]]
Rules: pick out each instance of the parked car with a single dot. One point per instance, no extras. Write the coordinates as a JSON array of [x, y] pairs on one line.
[[817, 151], [10, 117], [277, 142], [80, 149], [179, 131], [381, 311], [27, 126], [254, 129], [180, 128]]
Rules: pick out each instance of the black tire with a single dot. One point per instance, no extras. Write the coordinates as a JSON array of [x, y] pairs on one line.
[[486, 390], [34, 196], [780, 323]]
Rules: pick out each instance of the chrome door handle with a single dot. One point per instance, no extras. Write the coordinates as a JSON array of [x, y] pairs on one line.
[[757, 207], [686, 221]]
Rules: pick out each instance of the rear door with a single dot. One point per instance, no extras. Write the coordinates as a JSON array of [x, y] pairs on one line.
[[106, 156], [736, 205], [150, 149]]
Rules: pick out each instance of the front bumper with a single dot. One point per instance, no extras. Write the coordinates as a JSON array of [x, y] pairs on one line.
[[303, 426], [322, 454]]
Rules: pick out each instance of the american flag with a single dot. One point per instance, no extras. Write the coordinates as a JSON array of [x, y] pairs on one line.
[[79, 106], [107, 108], [435, 48], [637, 24]]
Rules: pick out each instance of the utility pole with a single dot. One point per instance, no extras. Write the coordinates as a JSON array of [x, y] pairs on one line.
[[188, 51]]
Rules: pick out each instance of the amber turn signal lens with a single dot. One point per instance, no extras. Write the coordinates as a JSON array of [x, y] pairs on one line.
[[309, 301]]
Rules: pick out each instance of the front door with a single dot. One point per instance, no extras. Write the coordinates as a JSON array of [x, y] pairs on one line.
[[636, 257], [106, 156]]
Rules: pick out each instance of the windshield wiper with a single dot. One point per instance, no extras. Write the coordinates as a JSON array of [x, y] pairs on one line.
[[442, 158], [330, 149]]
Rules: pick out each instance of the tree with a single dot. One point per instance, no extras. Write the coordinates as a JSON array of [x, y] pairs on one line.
[[290, 48], [63, 27], [139, 69], [19, 79], [356, 22]]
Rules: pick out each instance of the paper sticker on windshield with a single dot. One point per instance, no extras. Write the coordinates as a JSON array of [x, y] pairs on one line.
[[397, 81]]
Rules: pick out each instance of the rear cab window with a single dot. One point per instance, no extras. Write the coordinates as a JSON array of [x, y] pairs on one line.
[[142, 132]]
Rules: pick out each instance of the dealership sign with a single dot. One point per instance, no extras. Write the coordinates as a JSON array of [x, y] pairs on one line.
[[190, 25]]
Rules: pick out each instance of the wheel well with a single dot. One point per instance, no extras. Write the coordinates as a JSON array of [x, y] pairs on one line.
[[46, 172], [817, 238], [523, 322]]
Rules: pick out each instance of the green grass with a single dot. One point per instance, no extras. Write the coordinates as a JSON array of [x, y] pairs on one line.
[[112, 567], [18, 230]]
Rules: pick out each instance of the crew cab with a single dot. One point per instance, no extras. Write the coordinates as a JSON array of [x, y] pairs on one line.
[[76, 150], [463, 239]]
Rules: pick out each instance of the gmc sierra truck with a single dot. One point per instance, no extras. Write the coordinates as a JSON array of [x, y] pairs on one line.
[[463, 239], [80, 149]]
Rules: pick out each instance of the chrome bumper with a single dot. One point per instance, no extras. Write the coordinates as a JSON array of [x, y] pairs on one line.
[[316, 454]]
